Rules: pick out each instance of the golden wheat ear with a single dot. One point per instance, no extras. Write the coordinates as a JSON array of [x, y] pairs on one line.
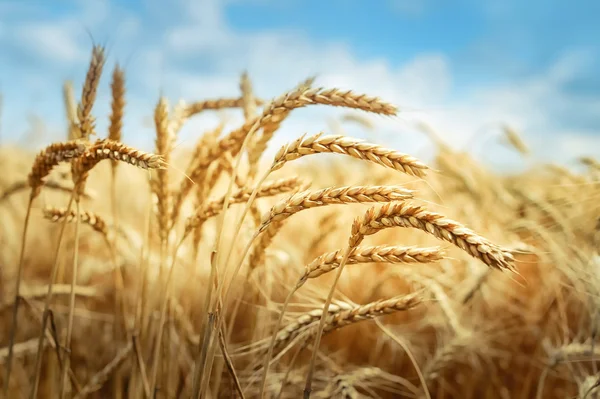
[[88, 93]]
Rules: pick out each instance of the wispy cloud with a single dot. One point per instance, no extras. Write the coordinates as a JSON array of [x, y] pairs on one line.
[[193, 50]]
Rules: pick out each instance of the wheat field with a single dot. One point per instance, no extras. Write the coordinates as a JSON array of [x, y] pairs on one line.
[[188, 273]]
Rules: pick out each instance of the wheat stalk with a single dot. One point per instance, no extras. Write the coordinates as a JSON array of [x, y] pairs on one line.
[[44, 162]]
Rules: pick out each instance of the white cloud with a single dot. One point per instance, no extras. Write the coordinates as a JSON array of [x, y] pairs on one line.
[[51, 42], [199, 55]]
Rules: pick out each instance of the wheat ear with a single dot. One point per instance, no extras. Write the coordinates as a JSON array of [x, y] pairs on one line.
[[415, 216], [352, 147], [88, 93], [115, 128], [71, 109], [96, 222], [334, 196], [332, 260], [342, 316], [108, 149], [160, 185], [313, 199]]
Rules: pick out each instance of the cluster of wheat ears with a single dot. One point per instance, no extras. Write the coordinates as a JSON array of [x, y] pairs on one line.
[[202, 284]]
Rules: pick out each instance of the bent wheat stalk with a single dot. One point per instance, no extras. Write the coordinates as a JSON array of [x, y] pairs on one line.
[[407, 215], [332, 260], [43, 164], [102, 149], [298, 98], [332, 144]]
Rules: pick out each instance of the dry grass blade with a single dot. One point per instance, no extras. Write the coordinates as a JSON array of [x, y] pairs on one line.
[[352, 147], [103, 375]]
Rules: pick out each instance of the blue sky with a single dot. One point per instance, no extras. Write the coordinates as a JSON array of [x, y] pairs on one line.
[[464, 66]]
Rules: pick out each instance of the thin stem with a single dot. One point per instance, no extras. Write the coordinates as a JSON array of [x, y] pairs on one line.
[[267, 362], [161, 323], [313, 359], [408, 352], [215, 261], [13, 330], [54, 272], [67, 359]]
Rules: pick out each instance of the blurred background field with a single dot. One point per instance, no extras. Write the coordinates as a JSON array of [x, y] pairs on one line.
[[500, 101]]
